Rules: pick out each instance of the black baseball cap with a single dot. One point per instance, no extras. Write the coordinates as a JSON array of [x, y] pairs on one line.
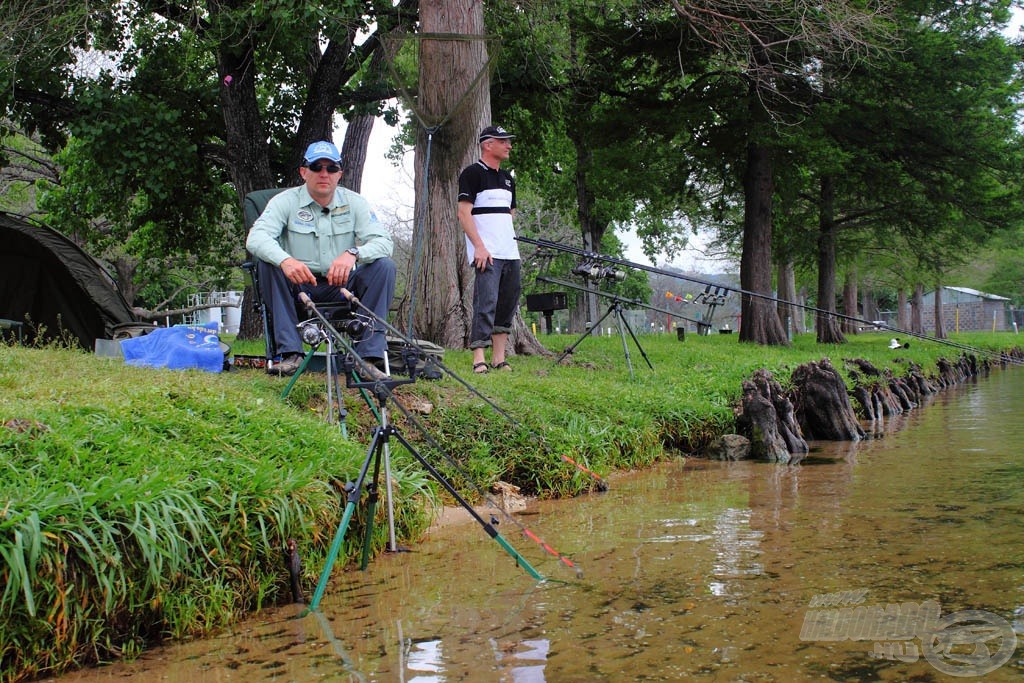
[[495, 133]]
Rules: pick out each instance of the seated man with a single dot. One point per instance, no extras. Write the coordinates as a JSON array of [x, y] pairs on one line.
[[316, 238]]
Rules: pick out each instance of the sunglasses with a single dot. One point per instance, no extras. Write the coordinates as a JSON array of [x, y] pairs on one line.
[[331, 168]]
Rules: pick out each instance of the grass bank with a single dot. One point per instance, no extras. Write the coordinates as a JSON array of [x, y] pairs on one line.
[[140, 504]]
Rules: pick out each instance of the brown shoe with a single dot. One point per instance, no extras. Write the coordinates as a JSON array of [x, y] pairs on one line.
[[287, 367]]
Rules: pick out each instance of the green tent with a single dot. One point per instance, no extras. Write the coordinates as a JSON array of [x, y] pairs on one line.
[[55, 289]]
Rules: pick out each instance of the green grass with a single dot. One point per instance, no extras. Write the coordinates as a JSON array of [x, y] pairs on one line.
[[139, 504]]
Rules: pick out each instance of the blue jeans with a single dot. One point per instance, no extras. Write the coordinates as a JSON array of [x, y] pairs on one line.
[[495, 301], [373, 283]]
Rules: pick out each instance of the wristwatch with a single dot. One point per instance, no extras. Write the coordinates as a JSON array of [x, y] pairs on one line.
[[354, 251]]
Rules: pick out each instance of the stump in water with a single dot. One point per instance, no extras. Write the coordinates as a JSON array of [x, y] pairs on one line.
[[767, 419], [823, 407]]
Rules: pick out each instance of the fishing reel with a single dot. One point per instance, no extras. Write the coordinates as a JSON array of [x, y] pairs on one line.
[[312, 331], [593, 270]]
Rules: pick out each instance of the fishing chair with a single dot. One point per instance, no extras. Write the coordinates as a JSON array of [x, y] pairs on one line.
[[253, 205]]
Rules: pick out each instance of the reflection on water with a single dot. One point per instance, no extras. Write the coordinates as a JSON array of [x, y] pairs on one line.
[[711, 571]]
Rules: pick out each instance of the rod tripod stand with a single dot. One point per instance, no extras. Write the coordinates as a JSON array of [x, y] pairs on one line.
[[367, 481], [314, 333], [377, 459], [616, 309]]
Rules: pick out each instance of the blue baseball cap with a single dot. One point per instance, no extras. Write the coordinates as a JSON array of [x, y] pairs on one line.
[[321, 150]]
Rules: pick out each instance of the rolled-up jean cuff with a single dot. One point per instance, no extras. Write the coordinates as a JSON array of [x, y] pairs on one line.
[[480, 344], [501, 330]]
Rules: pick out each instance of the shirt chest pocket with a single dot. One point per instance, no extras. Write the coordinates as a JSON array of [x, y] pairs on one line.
[[342, 230], [303, 241]]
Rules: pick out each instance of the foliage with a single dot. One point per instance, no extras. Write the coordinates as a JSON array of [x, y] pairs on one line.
[[141, 505]]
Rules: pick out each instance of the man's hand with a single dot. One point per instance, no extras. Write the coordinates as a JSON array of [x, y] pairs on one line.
[[297, 272], [481, 257], [341, 268]]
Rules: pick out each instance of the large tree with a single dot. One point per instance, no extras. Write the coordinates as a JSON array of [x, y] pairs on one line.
[[175, 111], [674, 110], [913, 159]]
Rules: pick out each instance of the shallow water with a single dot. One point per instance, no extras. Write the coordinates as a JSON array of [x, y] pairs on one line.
[[698, 570]]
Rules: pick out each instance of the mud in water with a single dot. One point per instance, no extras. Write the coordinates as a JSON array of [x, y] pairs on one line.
[[694, 570]]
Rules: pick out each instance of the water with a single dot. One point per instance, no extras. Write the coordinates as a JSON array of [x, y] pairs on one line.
[[697, 570]]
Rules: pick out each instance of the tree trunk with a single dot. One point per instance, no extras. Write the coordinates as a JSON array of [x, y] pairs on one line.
[[916, 309], [801, 318], [353, 152], [850, 301], [789, 313], [822, 404], [317, 120], [245, 142], [940, 323], [759, 321], [441, 279], [902, 310], [868, 304], [357, 134], [828, 328], [591, 234]]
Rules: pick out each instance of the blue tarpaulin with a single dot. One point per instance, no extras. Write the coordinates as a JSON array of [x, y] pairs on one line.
[[180, 348]]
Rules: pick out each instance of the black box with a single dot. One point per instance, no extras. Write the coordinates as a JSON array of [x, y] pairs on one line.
[[549, 301]]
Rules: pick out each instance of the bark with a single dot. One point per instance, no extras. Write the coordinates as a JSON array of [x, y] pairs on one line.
[[823, 407], [790, 314], [759, 321], [827, 326], [850, 302], [902, 310], [940, 324], [453, 105], [916, 307]]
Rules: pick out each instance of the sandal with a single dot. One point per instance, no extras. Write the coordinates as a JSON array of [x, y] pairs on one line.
[[503, 365], [477, 366]]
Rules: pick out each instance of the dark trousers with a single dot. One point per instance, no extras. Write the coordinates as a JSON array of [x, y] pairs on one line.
[[495, 300], [373, 283]]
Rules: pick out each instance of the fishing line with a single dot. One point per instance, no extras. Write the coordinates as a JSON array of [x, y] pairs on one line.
[[416, 422], [385, 391], [600, 483], [761, 299]]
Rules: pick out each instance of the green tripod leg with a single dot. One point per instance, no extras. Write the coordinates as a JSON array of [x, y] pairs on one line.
[[371, 510], [332, 555], [298, 373], [372, 455]]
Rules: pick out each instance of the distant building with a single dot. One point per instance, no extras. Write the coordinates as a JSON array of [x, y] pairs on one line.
[[967, 310]]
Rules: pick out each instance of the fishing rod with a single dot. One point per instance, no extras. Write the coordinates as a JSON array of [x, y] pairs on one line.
[[383, 390], [617, 298], [600, 483], [595, 256]]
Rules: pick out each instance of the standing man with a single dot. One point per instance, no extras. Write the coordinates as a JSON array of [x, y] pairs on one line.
[[487, 205], [317, 238]]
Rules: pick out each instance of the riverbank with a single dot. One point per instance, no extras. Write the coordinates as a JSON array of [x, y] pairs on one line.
[[177, 491]]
